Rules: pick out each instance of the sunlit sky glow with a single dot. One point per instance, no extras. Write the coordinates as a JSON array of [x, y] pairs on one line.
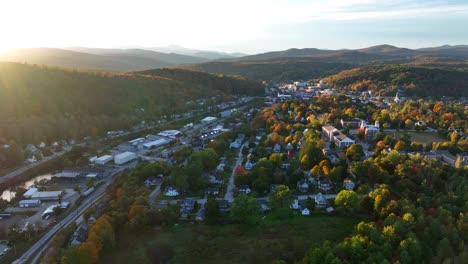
[[236, 26]]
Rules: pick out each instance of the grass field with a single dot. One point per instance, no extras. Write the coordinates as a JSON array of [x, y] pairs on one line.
[[424, 137], [193, 243]]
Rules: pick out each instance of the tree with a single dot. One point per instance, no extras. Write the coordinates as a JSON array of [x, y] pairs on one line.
[[212, 213], [245, 209], [400, 145], [347, 200], [281, 197], [355, 152]]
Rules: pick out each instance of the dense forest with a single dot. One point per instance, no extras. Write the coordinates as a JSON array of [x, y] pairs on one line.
[[46, 104], [419, 81], [282, 69]]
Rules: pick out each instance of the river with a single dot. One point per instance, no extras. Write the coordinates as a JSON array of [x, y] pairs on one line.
[[9, 193]]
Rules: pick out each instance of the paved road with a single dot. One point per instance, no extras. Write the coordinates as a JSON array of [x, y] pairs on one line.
[[230, 189], [23, 169], [42, 244]]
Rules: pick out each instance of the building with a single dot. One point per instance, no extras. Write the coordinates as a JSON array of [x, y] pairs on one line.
[[200, 214], [171, 192], [328, 131], [49, 211], [125, 157], [320, 200], [370, 132], [303, 208], [215, 179], [67, 175], [244, 189], [29, 193], [151, 182], [212, 191], [156, 143], [352, 123], [103, 159], [348, 184], [342, 141], [137, 141], [186, 207], [208, 119], [324, 185], [29, 203], [47, 196], [226, 113], [302, 185], [173, 134]]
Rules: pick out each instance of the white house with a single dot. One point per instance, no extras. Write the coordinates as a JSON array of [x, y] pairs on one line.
[[303, 208], [328, 131], [348, 184], [342, 141], [277, 148], [171, 192], [244, 189], [302, 185], [295, 204], [320, 201]]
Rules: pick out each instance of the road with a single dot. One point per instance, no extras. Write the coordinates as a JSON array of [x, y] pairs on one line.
[[42, 244], [230, 189], [23, 169]]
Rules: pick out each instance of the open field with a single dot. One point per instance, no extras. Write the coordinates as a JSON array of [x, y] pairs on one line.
[[286, 239], [424, 137]]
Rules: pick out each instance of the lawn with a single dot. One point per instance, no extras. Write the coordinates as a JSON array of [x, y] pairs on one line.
[[197, 243], [424, 137]]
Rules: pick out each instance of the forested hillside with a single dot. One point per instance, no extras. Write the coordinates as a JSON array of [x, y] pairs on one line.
[[44, 104], [282, 69], [418, 81]]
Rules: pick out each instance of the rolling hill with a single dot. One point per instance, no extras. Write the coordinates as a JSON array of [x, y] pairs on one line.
[[282, 69], [44, 104], [419, 81], [98, 59]]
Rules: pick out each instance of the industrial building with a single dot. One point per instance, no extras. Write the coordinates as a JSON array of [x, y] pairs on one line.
[[124, 157], [137, 141], [157, 143], [50, 195], [67, 175], [29, 203], [103, 159], [208, 119], [28, 194], [170, 134]]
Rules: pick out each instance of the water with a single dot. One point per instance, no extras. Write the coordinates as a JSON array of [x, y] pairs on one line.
[[9, 194]]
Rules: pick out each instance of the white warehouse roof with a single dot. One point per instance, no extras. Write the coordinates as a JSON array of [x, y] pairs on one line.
[[156, 143], [208, 119], [169, 133], [124, 155]]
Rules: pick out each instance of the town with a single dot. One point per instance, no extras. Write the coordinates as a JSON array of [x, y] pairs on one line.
[[309, 150]]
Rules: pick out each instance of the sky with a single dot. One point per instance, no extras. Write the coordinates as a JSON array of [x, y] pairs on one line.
[[248, 26]]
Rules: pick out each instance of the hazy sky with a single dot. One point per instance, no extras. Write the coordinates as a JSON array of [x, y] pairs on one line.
[[236, 25]]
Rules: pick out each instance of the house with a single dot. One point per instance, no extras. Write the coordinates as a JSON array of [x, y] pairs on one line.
[[200, 214], [263, 204], [285, 165], [330, 210], [151, 181], [324, 185], [236, 144], [303, 207], [171, 192], [342, 141], [244, 189], [328, 131], [348, 184], [186, 207], [302, 185], [320, 200], [223, 205], [420, 124], [215, 179], [289, 147], [212, 191], [80, 235], [249, 165], [295, 204], [277, 148]]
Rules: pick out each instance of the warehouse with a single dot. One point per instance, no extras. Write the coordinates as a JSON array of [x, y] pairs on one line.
[[137, 141], [156, 143], [67, 175], [29, 203], [103, 159], [170, 134], [43, 196], [28, 194], [124, 157], [208, 119]]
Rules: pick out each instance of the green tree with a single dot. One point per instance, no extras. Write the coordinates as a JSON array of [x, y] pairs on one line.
[[347, 200], [245, 209], [281, 197], [355, 152], [212, 213]]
